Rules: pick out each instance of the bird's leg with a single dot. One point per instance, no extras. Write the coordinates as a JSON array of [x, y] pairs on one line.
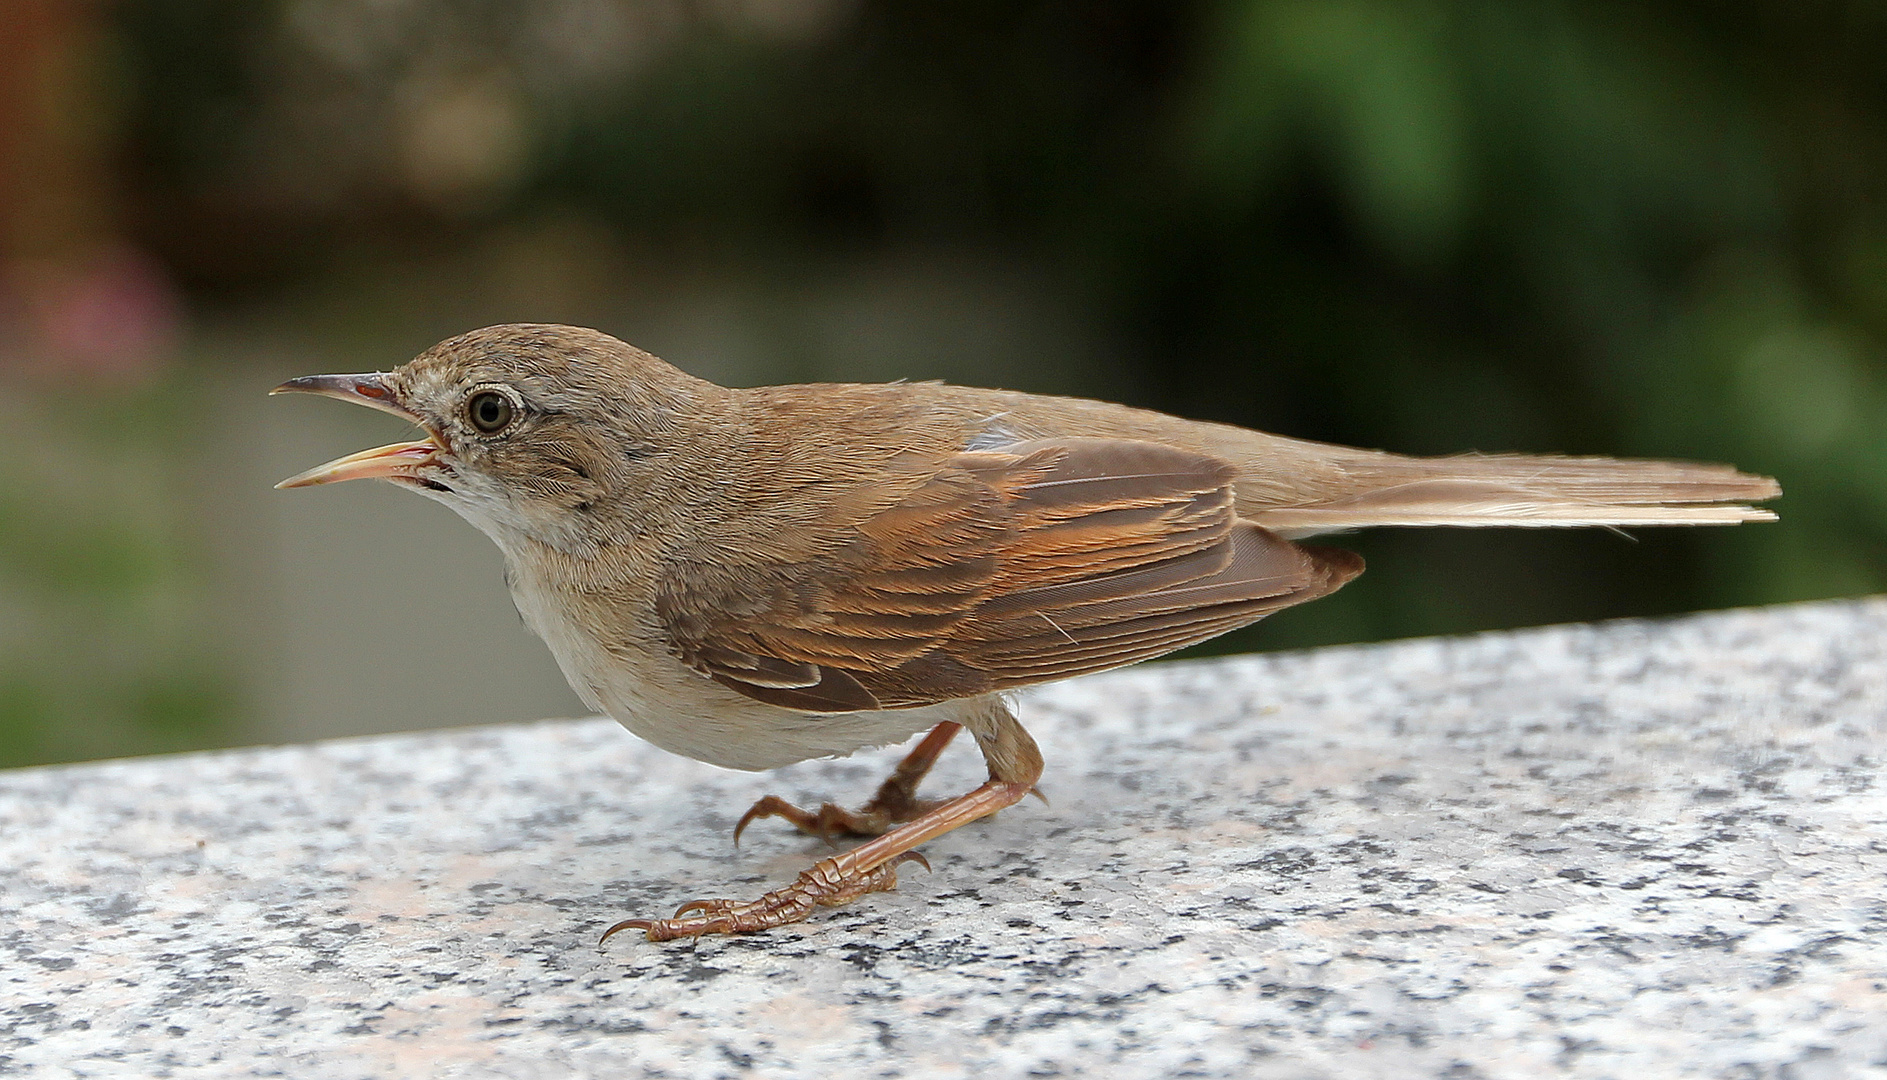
[[1014, 766], [895, 802]]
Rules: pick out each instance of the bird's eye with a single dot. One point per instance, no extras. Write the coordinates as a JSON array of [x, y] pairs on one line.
[[490, 411]]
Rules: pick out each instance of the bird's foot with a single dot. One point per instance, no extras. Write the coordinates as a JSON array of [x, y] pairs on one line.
[[827, 883], [895, 803], [891, 806]]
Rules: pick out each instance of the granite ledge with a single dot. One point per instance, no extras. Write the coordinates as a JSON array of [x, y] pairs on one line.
[[1640, 849]]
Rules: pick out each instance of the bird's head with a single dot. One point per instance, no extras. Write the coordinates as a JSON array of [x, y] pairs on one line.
[[534, 431]]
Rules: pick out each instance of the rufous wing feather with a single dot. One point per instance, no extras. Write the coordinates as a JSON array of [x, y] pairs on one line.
[[1036, 561]]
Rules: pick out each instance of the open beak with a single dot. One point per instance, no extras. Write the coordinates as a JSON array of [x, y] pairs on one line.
[[398, 461]]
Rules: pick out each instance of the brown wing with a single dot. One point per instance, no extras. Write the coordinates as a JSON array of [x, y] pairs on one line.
[[1038, 561]]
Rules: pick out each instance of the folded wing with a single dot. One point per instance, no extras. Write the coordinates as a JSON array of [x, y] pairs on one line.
[[1034, 561]]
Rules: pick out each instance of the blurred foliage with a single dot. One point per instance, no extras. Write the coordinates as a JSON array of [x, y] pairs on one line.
[[103, 649], [1649, 228]]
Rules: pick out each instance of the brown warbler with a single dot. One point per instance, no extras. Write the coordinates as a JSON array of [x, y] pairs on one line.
[[756, 577]]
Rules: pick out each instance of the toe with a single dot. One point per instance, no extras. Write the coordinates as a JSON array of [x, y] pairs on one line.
[[769, 806]]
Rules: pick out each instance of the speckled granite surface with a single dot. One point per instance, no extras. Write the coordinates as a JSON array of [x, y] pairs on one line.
[[1633, 850]]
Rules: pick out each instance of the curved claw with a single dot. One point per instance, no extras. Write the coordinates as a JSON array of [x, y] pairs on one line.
[[746, 819], [711, 907], [910, 856], [643, 925], [1037, 792]]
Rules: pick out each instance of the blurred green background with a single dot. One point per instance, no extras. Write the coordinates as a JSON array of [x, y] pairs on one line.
[[1651, 228]]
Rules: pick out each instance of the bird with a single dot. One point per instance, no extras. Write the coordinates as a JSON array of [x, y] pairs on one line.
[[753, 577]]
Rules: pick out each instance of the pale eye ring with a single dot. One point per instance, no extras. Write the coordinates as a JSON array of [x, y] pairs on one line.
[[490, 411]]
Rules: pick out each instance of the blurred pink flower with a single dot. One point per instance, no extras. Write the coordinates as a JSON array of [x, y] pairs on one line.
[[115, 314]]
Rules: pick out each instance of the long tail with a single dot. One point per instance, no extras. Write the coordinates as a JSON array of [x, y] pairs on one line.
[[1372, 489]]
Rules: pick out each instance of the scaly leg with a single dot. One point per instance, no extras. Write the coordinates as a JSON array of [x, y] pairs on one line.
[[895, 802], [1014, 766]]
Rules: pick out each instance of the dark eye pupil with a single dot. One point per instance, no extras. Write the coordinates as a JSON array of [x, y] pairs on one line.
[[490, 411]]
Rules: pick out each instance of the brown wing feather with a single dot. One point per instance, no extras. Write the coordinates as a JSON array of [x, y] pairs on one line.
[[1040, 561], [810, 635], [1102, 625]]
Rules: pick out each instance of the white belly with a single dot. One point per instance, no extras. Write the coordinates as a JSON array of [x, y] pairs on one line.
[[684, 712]]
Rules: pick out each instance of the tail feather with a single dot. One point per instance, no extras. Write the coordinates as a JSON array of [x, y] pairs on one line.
[[1518, 490]]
